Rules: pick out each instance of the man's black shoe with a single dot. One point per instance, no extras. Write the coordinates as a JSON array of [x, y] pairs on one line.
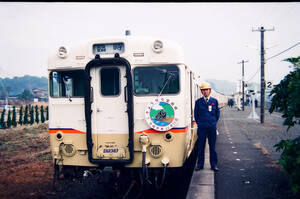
[[198, 168], [215, 168]]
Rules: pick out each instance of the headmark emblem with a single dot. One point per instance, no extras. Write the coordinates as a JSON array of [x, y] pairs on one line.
[[161, 114]]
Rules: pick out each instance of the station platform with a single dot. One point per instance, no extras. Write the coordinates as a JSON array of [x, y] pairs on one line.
[[247, 159], [202, 184]]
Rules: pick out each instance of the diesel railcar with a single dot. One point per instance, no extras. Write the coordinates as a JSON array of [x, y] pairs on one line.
[[122, 105]]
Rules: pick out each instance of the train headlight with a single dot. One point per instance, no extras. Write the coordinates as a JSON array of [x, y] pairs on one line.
[[62, 52], [156, 151], [68, 150], [158, 46]]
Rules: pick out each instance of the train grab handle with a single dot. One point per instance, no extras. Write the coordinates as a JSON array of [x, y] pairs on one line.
[[125, 94]]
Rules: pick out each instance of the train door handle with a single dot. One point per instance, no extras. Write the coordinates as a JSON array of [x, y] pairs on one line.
[[125, 94], [91, 95]]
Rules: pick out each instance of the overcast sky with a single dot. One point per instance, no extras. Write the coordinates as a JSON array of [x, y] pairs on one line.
[[214, 36]]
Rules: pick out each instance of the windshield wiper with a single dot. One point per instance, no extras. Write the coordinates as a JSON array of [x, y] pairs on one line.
[[171, 75]]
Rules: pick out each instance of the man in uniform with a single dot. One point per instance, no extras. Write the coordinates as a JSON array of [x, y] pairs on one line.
[[207, 114]]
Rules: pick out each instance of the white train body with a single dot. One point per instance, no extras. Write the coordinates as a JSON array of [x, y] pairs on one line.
[[101, 107]]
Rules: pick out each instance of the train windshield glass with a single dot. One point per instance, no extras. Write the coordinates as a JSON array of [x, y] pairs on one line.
[[156, 80], [67, 83]]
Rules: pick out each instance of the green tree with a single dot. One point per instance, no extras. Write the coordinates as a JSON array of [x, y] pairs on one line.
[[286, 99], [8, 122], [14, 117], [42, 114], [26, 115], [20, 115], [31, 115], [2, 121], [37, 116]]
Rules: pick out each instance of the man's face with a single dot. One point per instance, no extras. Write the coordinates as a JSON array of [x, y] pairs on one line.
[[206, 92]]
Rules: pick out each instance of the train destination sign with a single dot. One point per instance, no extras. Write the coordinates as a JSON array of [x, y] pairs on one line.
[[109, 48]]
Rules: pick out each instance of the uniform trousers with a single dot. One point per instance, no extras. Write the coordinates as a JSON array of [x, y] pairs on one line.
[[211, 135]]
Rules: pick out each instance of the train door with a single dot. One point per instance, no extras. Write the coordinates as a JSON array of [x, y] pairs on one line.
[[110, 125], [109, 116]]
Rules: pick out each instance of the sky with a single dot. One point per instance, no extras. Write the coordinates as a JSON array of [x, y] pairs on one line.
[[215, 37]]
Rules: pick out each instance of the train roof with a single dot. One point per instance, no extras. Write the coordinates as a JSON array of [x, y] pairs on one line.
[[137, 50]]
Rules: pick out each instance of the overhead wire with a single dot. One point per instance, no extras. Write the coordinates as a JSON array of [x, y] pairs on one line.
[[253, 75], [274, 57], [283, 51]]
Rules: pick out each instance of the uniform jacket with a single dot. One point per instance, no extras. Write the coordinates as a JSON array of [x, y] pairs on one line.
[[205, 118]]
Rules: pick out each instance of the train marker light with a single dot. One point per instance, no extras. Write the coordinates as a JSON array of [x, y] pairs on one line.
[[82, 152], [158, 46], [59, 135], [62, 52], [168, 136]]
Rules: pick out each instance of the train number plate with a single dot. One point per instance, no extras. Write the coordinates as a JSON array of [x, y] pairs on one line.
[[110, 150]]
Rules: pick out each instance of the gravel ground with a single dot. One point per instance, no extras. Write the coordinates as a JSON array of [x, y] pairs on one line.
[[264, 135]]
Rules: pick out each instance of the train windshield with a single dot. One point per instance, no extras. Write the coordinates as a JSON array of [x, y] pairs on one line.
[[155, 80], [67, 83]]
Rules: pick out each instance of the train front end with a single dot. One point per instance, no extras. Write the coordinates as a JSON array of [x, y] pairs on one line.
[[122, 103]]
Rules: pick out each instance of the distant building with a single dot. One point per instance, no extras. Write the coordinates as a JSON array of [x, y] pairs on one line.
[[40, 94]]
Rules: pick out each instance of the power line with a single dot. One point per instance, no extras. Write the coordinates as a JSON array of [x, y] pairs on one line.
[[253, 75], [283, 51], [274, 57]]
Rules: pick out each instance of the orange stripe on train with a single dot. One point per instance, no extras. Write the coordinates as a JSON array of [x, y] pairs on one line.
[[66, 131], [183, 130]]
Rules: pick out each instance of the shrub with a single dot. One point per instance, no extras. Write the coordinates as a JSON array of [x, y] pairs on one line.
[[290, 161], [286, 99], [37, 117], [14, 117]]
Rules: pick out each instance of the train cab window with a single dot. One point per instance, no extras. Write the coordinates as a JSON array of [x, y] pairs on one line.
[[110, 81], [154, 80], [67, 83]]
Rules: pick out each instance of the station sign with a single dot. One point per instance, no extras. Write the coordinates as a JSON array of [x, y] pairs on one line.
[[269, 85]]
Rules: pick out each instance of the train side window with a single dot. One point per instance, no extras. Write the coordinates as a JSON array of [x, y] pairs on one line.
[[67, 83], [110, 81], [54, 84]]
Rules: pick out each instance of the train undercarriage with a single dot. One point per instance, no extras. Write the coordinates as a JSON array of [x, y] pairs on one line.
[[119, 182]]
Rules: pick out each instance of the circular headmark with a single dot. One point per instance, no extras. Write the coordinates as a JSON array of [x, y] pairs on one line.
[[160, 114]]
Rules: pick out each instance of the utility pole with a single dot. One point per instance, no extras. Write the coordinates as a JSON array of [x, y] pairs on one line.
[[243, 83], [262, 73]]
